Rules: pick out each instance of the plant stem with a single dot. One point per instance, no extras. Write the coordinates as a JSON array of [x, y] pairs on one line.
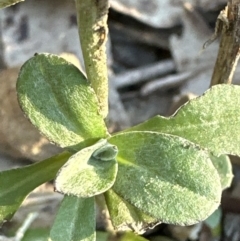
[[25, 226], [93, 30], [228, 26]]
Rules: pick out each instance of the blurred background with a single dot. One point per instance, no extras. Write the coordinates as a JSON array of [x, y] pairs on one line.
[[156, 63]]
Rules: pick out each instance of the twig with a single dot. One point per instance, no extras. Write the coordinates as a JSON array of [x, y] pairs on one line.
[[165, 83], [143, 34], [143, 74], [22, 230], [228, 26]]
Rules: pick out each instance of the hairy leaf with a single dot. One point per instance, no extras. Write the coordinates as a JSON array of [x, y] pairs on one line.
[[86, 174], [6, 3], [211, 121], [59, 101], [166, 176], [75, 220], [16, 184], [125, 216]]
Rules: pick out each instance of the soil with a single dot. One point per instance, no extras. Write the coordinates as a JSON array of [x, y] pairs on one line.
[[153, 70]]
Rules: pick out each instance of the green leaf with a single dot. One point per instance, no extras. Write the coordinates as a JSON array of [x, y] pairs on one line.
[[75, 220], [214, 223], [102, 236], [86, 174], [126, 217], [211, 121], [16, 184], [129, 236], [214, 220], [224, 168], [6, 3], [106, 152], [166, 177], [59, 101], [36, 234]]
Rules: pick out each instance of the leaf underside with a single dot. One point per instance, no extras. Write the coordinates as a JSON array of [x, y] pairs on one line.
[[126, 217]]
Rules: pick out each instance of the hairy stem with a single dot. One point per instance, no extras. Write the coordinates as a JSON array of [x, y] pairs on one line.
[[93, 30]]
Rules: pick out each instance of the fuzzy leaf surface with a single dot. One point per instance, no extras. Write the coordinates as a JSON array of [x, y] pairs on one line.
[[7, 3], [126, 217], [86, 174], [166, 177], [211, 121], [16, 184], [75, 220], [59, 101]]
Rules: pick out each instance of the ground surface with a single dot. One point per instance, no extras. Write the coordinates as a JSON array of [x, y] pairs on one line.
[[156, 64]]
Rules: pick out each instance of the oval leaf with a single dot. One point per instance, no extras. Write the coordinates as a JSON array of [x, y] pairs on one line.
[[84, 175], [59, 101], [211, 121], [166, 176], [6, 3], [16, 184], [75, 220]]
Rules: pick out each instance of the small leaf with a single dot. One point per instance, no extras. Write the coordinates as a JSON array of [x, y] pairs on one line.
[[166, 177], [36, 234], [102, 236], [84, 175], [214, 220], [214, 223], [126, 217], [107, 152], [224, 168], [129, 236], [75, 220], [16, 184], [211, 121], [59, 101], [6, 3]]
